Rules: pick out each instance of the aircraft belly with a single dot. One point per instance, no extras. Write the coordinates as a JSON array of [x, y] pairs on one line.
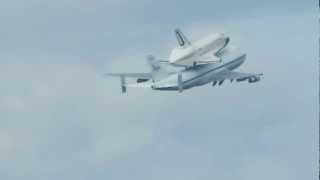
[[202, 79]]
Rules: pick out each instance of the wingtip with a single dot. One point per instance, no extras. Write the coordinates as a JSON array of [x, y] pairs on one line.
[[108, 74]]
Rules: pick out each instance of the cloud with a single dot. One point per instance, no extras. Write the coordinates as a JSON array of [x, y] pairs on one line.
[[60, 118], [64, 113]]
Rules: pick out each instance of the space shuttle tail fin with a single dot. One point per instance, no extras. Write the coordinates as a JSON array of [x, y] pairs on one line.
[[181, 38]]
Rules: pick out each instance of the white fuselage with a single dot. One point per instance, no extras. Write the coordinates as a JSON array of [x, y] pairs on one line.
[[202, 74], [195, 52]]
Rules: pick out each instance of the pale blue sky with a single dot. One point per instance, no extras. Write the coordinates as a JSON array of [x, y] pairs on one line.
[[59, 118]]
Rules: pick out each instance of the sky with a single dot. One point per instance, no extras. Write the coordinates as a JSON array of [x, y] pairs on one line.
[[61, 118]]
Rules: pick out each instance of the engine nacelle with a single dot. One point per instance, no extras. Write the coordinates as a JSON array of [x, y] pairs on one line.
[[242, 79], [142, 80], [220, 82], [253, 79]]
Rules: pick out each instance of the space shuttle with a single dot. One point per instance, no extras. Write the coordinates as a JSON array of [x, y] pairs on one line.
[[165, 76], [204, 51]]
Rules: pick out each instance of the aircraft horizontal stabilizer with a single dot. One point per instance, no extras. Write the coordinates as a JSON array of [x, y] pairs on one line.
[[140, 85], [141, 79]]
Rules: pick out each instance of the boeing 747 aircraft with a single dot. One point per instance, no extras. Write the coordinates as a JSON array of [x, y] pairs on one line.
[[165, 76]]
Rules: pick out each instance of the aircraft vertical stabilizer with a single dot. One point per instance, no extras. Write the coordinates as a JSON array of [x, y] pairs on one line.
[[157, 71]]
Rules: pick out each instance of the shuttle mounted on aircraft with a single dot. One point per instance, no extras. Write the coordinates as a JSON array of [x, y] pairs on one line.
[[203, 51], [190, 65]]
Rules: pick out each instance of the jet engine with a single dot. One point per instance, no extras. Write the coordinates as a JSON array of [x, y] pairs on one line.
[[242, 79], [140, 80], [253, 79]]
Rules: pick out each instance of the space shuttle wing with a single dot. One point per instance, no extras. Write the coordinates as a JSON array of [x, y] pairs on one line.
[[204, 59], [131, 75], [207, 59]]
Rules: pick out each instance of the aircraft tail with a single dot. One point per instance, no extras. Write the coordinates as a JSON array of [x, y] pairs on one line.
[[181, 38], [153, 63], [158, 72]]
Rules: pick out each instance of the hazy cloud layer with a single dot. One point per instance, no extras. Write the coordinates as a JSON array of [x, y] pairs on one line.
[[60, 118]]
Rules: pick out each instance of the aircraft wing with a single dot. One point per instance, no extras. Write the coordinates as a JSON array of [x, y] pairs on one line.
[[238, 76], [131, 75], [142, 79]]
